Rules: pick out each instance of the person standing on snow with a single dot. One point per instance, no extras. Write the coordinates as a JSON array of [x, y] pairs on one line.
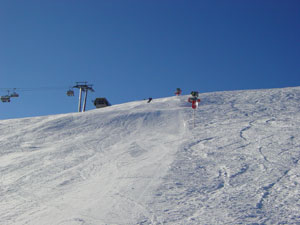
[[194, 100], [178, 92]]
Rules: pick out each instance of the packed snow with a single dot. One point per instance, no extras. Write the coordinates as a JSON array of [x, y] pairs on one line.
[[145, 163]]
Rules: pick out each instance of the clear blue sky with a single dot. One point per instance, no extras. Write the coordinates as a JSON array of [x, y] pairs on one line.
[[135, 49]]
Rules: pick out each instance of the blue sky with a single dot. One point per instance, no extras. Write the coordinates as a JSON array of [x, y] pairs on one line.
[[135, 49]]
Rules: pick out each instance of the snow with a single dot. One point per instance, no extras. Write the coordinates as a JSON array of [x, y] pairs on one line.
[[146, 163]]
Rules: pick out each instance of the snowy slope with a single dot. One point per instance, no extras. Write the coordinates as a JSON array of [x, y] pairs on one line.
[[140, 163]]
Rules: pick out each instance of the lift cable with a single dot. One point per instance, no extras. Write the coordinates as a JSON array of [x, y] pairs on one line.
[[34, 89], [82, 86]]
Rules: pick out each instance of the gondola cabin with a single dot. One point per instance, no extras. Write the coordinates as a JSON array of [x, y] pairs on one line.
[[101, 102], [5, 98], [14, 95], [70, 92]]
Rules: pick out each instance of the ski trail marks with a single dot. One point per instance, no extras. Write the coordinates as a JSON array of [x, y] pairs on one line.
[[242, 135], [266, 190]]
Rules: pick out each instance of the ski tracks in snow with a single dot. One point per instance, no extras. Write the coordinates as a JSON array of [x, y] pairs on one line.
[[129, 170], [234, 165], [147, 164]]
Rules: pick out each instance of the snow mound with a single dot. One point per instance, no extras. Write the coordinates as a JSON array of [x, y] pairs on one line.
[[146, 163]]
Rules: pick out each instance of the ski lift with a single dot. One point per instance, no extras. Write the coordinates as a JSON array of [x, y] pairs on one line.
[[101, 102], [14, 94], [5, 98], [70, 92]]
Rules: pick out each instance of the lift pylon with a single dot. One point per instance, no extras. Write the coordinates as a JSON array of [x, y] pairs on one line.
[[83, 87]]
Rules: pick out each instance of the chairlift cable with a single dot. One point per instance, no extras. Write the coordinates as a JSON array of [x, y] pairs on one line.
[[34, 89]]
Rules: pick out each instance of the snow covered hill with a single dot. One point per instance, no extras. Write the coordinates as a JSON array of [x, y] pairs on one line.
[[140, 163]]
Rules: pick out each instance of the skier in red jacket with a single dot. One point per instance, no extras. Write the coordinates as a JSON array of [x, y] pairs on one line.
[[194, 100]]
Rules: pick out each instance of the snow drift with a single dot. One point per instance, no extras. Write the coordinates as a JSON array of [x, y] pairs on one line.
[[140, 163]]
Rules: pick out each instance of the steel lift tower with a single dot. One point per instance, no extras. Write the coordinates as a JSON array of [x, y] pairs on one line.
[[83, 87]]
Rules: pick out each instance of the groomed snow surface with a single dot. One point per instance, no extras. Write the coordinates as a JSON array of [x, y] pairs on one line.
[[149, 163]]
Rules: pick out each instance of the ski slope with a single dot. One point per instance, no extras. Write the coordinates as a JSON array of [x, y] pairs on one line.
[[148, 163]]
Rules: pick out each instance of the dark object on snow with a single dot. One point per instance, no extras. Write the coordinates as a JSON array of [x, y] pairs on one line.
[[101, 102], [149, 100]]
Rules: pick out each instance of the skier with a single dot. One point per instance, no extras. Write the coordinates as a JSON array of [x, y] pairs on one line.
[[149, 100], [178, 92], [194, 100]]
